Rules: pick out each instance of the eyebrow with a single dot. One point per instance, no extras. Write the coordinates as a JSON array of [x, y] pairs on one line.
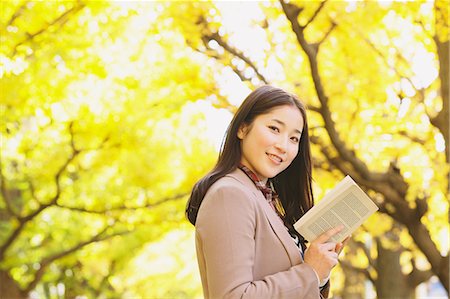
[[283, 124]]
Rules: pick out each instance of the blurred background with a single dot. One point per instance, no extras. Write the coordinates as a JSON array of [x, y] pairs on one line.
[[111, 111]]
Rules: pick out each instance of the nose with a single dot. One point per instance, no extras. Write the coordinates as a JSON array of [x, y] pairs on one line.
[[281, 144]]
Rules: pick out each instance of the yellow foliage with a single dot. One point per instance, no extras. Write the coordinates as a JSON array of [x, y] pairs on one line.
[[99, 121]]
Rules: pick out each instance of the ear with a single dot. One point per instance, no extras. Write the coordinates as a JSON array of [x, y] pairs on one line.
[[242, 131]]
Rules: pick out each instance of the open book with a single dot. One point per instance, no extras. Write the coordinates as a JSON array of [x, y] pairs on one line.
[[346, 204]]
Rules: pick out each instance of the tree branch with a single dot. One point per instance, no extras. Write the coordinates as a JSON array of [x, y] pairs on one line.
[[414, 139], [333, 25], [390, 184], [425, 30], [313, 108], [340, 146], [48, 260], [292, 11], [4, 192], [316, 13], [59, 20], [235, 52], [23, 220], [441, 120], [402, 208], [416, 276], [123, 208], [17, 13]]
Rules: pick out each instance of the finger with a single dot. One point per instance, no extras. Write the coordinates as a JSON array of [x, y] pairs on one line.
[[335, 262], [328, 234], [340, 246], [329, 246], [346, 240], [333, 255]]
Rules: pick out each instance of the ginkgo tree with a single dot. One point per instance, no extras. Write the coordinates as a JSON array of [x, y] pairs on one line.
[[375, 77], [100, 146], [98, 149]]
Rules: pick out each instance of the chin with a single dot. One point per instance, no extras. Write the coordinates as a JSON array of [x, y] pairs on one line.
[[272, 174]]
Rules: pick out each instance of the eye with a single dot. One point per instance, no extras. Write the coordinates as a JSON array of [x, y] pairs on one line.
[[295, 139], [273, 128]]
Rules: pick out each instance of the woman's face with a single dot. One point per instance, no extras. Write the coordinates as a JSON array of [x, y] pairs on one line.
[[271, 142]]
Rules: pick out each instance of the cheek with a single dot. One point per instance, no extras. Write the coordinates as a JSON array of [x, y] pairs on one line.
[[293, 151], [263, 138]]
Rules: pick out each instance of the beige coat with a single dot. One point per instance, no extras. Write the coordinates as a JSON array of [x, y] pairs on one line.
[[243, 248]]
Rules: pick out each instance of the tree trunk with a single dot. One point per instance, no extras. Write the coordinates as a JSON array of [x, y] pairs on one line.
[[354, 281], [354, 285], [9, 288], [391, 282]]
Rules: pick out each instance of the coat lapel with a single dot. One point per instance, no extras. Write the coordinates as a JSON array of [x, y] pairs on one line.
[[275, 221]]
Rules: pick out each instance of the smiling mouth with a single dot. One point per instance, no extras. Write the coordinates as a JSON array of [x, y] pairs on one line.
[[275, 158]]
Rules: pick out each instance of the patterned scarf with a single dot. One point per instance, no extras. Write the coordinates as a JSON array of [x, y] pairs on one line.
[[267, 190]]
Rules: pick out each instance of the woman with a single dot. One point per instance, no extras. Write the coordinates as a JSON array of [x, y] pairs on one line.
[[245, 208]]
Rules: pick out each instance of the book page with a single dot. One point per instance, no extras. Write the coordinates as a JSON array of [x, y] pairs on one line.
[[346, 204]]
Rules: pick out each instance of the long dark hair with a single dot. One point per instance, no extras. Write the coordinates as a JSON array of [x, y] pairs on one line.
[[293, 185]]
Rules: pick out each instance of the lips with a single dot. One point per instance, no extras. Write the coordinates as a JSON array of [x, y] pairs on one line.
[[275, 158]]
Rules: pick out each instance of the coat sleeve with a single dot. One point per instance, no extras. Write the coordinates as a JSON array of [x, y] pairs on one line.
[[225, 240]]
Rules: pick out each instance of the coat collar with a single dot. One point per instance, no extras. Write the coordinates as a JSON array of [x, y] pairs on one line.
[[275, 222]]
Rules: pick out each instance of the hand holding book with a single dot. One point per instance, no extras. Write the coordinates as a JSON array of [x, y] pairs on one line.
[[321, 254], [345, 205]]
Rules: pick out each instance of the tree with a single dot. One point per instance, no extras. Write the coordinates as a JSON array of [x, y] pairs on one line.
[[100, 145], [371, 126], [98, 142]]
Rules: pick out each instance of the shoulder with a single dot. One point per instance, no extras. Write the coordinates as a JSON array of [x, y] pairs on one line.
[[228, 182], [235, 181], [234, 189], [226, 186], [229, 200]]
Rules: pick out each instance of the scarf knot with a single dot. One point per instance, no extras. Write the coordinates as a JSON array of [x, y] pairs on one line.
[[267, 190]]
